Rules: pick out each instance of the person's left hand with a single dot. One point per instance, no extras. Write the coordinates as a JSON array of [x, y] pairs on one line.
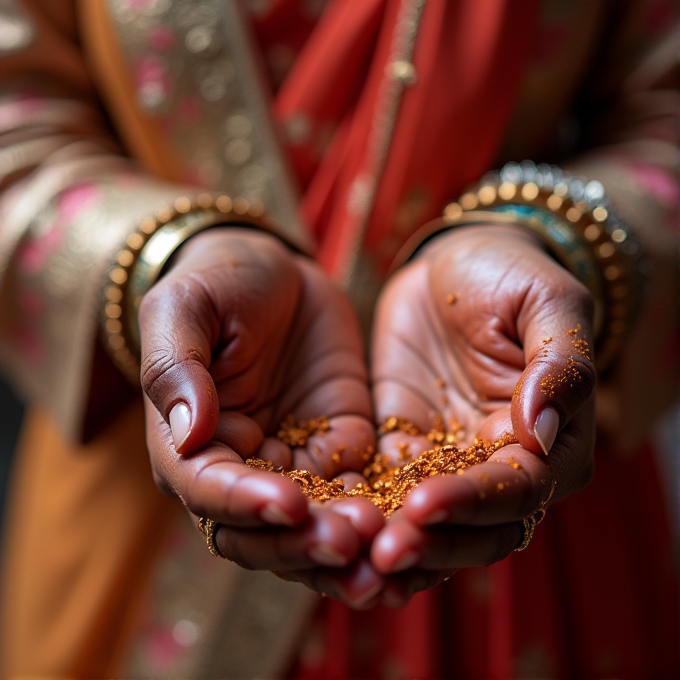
[[481, 329]]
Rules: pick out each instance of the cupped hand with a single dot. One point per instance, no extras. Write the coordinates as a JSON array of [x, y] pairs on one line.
[[239, 334], [487, 330]]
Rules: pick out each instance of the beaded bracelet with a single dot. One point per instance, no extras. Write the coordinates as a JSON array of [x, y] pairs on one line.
[[147, 250]]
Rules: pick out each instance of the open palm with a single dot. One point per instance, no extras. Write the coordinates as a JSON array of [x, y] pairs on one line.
[[482, 329], [237, 335]]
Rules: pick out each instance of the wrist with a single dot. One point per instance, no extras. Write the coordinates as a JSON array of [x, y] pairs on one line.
[[220, 242], [145, 256], [478, 235]]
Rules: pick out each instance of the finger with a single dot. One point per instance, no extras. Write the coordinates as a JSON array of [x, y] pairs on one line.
[[184, 477], [347, 444], [239, 432], [178, 328], [560, 376], [235, 495], [350, 479], [398, 547], [503, 489], [364, 516], [570, 464], [325, 539], [442, 547], [401, 447], [358, 586], [217, 484], [277, 453]]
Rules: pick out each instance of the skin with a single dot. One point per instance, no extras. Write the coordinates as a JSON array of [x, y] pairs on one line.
[[257, 333], [510, 298], [245, 333]]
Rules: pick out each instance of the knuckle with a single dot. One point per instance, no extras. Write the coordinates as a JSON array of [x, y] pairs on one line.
[[587, 372], [154, 366]]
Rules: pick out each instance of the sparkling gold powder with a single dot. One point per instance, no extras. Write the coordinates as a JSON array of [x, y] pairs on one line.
[[570, 374], [386, 485], [396, 423], [296, 433]]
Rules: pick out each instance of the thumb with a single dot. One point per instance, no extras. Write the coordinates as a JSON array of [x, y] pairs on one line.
[[176, 328], [558, 380]]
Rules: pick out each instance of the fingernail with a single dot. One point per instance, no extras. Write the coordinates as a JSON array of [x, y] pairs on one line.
[[406, 561], [545, 429], [436, 517], [180, 424], [362, 599], [272, 514], [327, 555]]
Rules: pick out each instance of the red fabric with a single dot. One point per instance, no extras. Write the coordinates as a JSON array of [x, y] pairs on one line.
[[468, 58]]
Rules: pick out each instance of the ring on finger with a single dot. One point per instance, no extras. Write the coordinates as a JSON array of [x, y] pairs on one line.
[[209, 527], [528, 528], [529, 524]]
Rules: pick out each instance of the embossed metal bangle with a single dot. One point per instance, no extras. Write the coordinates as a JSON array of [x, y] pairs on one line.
[[139, 264], [583, 206]]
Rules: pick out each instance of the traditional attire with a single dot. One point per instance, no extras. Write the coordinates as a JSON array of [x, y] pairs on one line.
[[385, 109]]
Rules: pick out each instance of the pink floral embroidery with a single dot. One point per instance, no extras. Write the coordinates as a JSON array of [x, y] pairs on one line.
[[32, 255], [34, 252], [189, 109], [150, 72], [161, 38], [162, 648], [658, 182], [76, 199]]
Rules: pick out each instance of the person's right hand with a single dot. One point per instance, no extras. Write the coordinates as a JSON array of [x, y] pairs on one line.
[[237, 335]]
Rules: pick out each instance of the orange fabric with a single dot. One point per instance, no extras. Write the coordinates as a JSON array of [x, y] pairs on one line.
[[116, 87], [84, 523]]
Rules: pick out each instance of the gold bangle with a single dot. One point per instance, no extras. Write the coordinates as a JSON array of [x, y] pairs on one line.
[[576, 222], [140, 262], [529, 524], [582, 205]]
